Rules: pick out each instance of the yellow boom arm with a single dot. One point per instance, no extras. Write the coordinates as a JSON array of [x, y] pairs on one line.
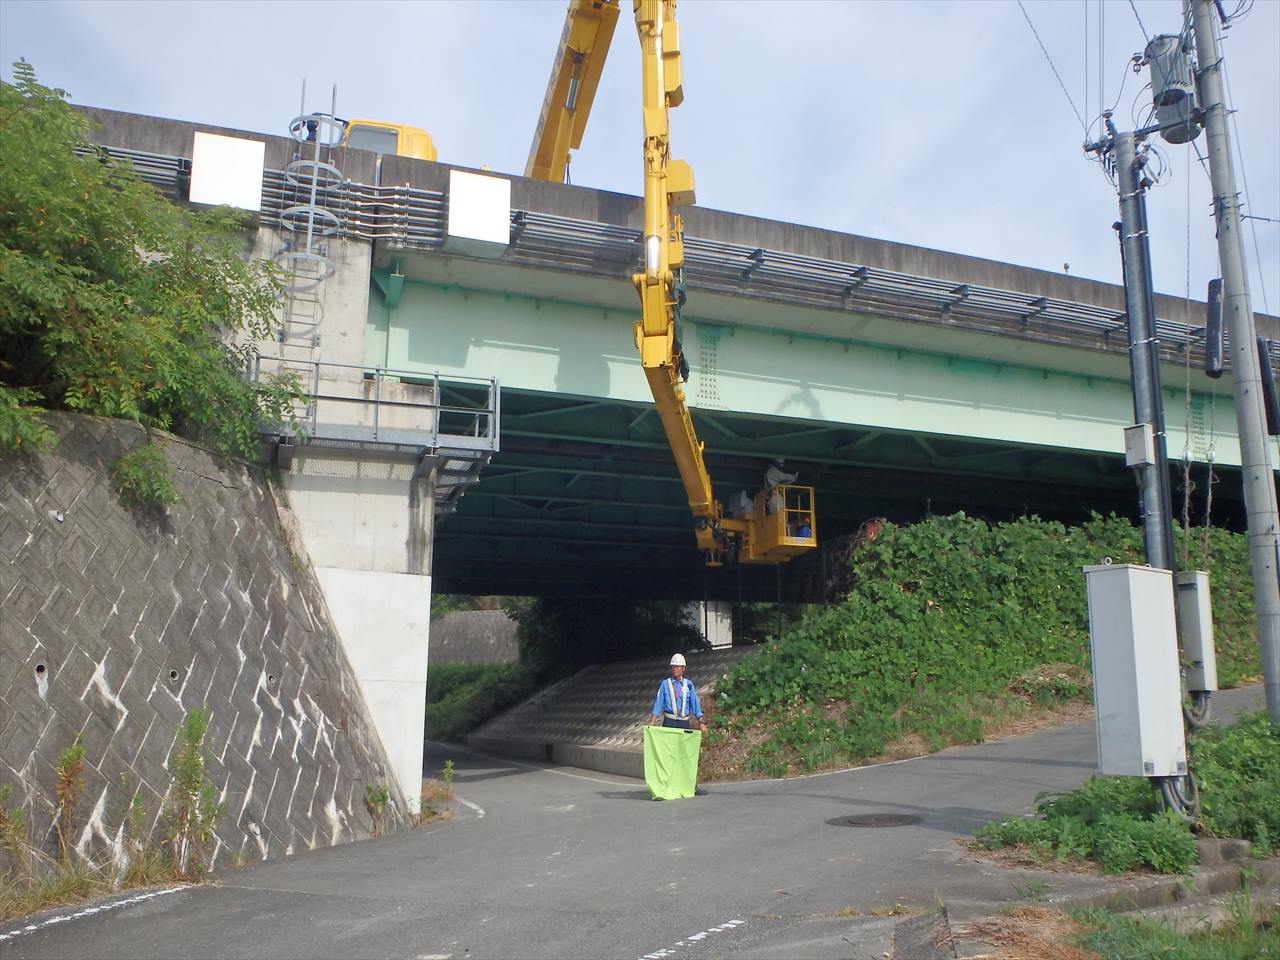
[[780, 522], [575, 76]]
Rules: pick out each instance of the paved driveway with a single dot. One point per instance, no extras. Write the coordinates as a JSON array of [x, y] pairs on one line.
[[552, 862]]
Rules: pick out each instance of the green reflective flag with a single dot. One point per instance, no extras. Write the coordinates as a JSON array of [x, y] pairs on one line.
[[671, 761]]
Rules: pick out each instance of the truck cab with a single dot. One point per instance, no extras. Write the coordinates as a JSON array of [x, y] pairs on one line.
[[384, 138]]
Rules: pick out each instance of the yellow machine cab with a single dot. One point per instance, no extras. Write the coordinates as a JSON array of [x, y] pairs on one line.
[[382, 138]]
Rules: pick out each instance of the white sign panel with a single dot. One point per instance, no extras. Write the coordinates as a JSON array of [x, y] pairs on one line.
[[227, 171], [479, 214]]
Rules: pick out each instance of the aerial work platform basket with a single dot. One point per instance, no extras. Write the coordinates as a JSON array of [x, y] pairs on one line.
[[782, 526]]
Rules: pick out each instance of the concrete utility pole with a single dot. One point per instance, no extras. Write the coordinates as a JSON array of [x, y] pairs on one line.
[[1144, 359], [1259, 485]]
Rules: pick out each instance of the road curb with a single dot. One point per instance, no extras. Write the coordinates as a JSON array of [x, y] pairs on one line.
[[1168, 897]]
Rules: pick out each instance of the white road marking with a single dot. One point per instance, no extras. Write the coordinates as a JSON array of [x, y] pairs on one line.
[[479, 810], [694, 938], [540, 769], [17, 932], [829, 773]]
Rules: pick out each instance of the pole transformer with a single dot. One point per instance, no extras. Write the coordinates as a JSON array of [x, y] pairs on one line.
[[1259, 484], [1144, 359]]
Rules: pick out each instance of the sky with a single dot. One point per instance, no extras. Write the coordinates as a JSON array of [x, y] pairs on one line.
[[939, 124]]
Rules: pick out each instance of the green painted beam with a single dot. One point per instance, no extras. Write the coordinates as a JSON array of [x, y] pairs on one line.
[[575, 350]]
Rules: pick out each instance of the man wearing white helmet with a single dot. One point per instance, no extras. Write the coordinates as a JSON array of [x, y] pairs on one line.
[[677, 702]]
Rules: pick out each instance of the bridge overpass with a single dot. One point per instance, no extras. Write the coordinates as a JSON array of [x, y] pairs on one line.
[[898, 380]]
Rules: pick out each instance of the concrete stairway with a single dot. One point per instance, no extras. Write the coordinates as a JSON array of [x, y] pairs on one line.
[[595, 718]]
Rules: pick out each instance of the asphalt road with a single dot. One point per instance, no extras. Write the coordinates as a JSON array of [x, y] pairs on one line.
[[552, 862]]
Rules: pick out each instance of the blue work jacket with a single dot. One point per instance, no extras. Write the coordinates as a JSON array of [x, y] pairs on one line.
[[677, 699]]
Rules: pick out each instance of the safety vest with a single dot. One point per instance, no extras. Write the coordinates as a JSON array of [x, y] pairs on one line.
[[681, 705]]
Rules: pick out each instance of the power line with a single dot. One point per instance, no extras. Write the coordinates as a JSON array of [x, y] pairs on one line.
[[1244, 178], [1141, 26], [1049, 59]]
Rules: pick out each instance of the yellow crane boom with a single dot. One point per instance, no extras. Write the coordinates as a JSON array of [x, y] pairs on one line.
[[575, 77], [780, 522]]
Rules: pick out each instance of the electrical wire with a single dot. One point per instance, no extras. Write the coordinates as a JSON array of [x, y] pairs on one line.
[[1141, 26], [1188, 486], [1244, 176], [1049, 59], [1085, 49], [1102, 59], [1242, 10]]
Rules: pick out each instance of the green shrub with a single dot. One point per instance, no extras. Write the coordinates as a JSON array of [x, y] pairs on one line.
[[950, 622], [191, 808], [1118, 841], [462, 696], [1118, 822], [142, 480], [115, 301], [1238, 769]]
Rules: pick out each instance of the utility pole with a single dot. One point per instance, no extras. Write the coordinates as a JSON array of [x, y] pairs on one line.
[[1144, 358], [1259, 485]]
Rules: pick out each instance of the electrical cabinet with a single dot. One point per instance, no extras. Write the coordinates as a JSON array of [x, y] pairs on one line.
[[1136, 689], [1195, 623]]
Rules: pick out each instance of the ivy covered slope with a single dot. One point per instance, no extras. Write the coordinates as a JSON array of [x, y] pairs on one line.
[[952, 625], [114, 301]]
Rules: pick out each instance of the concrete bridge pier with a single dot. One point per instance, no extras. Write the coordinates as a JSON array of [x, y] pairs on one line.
[[368, 525]]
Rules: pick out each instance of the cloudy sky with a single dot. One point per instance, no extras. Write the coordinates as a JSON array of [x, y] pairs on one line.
[[937, 124]]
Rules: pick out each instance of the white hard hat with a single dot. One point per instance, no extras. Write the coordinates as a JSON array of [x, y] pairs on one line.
[[677, 660]]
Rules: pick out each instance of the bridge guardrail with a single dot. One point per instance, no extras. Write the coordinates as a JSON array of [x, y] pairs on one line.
[[411, 218]]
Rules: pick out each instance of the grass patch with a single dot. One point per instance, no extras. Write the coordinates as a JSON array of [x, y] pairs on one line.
[[437, 795], [434, 805], [1245, 937], [462, 696], [31, 880], [1117, 822], [1040, 933], [62, 883]]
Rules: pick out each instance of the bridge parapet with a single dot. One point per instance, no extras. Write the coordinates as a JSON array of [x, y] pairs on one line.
[[403, 219]]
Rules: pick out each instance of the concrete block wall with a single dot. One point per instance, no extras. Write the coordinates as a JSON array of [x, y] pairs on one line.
[[474, 636], [113, 625]]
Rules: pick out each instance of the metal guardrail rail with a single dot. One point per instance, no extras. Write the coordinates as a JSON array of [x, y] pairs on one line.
[[410, 218], [452, 422]]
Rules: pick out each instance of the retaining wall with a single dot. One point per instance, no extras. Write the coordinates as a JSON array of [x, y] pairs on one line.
[[114, 624]]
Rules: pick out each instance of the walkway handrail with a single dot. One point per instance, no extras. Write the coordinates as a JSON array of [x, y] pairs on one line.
[[326, 417]]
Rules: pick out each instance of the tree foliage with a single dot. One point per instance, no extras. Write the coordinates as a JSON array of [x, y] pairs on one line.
[[114, 301]]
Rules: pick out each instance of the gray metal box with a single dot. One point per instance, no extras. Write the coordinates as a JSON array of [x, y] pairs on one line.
[[1136, 690], [1195, 622], [1139, 445]]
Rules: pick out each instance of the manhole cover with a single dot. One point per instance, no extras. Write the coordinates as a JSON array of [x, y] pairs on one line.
[[876, 820]]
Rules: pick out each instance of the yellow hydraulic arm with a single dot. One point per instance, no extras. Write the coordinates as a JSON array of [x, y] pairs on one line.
[[780, 523], [575, 76]]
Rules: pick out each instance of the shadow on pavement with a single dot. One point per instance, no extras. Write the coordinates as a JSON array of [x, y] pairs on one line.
[[624, 794]]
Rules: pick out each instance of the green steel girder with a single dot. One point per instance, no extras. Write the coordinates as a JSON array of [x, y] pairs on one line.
[[582, 506], [584, 496]]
